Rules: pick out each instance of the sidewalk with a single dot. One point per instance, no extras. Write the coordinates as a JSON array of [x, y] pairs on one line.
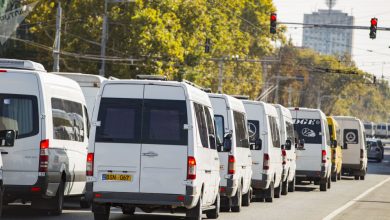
[[375, 205]]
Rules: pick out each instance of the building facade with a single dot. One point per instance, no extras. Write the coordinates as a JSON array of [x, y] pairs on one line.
[[331, 41]]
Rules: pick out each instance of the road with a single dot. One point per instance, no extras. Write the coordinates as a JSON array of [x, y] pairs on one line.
[[347, 199]]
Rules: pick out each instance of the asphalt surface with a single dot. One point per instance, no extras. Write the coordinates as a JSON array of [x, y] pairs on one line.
[[361, 199]]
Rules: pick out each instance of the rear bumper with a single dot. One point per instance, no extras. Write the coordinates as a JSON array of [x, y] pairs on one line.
[[261, 184], [354, 169], [144, 199], [311, 174], [230, 189]]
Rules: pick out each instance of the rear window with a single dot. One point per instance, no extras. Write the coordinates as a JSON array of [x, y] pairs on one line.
[[142, 121], [274, 131], [19, 113], [253, 130], [308, 130], [351, 136]]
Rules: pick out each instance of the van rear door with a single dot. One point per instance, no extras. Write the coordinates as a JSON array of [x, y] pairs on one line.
[[19, 110], [118, 139], [164, 140], [350, 133]]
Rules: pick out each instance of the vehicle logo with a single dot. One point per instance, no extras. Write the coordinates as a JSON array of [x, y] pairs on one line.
[[351, 137], [308, 132], [252, 130]]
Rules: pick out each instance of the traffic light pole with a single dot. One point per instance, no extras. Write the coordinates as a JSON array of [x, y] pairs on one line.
[[335, 26]]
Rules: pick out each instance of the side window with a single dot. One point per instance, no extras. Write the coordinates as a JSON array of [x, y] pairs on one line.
[[211, 130], [202, 127], [88, 123], [68, 120], [290, 131], [219, 127], [240, 130], [274, 132], [328, 142]]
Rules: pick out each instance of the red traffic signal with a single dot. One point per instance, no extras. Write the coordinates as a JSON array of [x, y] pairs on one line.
[[273, 23], [374, 21], [373, 28]]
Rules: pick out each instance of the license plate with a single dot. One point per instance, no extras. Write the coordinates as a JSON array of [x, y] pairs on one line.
[[117, 177]]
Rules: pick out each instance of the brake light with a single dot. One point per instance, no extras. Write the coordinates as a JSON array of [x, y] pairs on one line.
[[323, 156], [231, 165], [44, 156], [3, 71], [266, 162], [35, 189], [284, 155], [361, 154], [90, 160], [191, 172]]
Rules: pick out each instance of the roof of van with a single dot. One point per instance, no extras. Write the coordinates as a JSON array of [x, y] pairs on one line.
[[268, 108], [313, 110], [85, 80], [193, 93], [285, 111], [15, 64], [233, 103], [345, 118]]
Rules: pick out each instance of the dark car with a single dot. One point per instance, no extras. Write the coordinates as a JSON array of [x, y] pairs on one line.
[[374, 150]]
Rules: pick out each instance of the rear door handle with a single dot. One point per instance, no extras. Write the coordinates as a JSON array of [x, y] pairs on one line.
[[207, 171], [216, 158], [150, 154], [4, 152]]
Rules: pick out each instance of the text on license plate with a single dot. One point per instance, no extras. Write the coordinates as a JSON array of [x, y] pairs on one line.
[[117, 177]]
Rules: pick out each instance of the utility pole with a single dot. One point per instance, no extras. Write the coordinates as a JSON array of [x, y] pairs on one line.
[[289, 96], [277, 87], [57, 41], [220, 76], [319, 98], [102, 71]]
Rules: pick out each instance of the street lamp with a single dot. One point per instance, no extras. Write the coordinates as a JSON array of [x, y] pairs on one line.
[[102, 71]]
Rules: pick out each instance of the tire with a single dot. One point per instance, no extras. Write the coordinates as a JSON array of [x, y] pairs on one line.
[[291, 186], [323, 185], [196, 212], [101, 216], [225, 205], [356, 177], [246, 198], [237, 200], [1, 200], [84, 204], [128, 210], [339, 176], [270, 193], [58, 201], [334, 177], [362, 177], [329, 183], [214, 214], [101, 211], [278, 191], [285, 186]]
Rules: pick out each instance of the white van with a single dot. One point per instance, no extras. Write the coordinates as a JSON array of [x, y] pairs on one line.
[[234, 153], [264, 136], [314, 153], [153, 146], [48, 115], [90, 85], [354, 146], [288, 149]]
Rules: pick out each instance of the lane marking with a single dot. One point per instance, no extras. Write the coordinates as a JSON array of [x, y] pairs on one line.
[[353, 201]]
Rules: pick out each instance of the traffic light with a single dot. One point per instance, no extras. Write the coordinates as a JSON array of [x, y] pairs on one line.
[[374, 26], [207, 46], [273, 20]]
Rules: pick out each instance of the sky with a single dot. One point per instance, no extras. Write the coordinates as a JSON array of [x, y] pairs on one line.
[[372, 56]]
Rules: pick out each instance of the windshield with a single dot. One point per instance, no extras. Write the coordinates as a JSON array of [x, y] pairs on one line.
[[367, 126], [309, 130], [19, 113]]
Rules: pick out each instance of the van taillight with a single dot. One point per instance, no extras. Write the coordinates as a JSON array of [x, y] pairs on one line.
[[191, 172], [361, 154], [44, 156], [3, 71], [231, 165], [284, 155], [266, 162], [90, 159], [323, 156]]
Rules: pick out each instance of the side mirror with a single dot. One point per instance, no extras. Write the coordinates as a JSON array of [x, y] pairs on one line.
[[258, 144], [227, 146], [9, 137], [288, 144], [301, 145], [334, 144], [345, 146]]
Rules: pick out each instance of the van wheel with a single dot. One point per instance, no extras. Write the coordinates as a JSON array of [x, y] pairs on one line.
[[214, 214], [101, 211], [237, 200], [329, 182], [225, 204], [128, 210], [270, 193], [334, 177], [278, 191], [339, 176], [246, 198], [291, 186], [58, 200], [196, 212], [285, 187], [362, 177], [85, 204], [323, 185], [356, 177]]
